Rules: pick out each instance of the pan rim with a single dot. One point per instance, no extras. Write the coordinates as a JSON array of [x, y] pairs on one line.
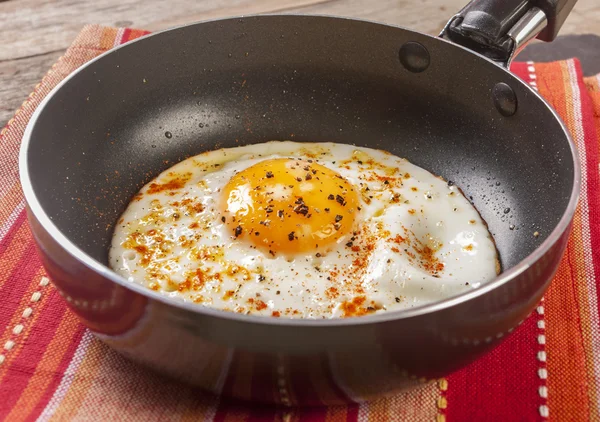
[[103, 270]]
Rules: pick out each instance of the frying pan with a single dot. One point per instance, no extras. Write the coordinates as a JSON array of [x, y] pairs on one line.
[[123, 118]]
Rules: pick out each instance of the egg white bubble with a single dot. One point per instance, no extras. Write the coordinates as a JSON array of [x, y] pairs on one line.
[[418, 239]]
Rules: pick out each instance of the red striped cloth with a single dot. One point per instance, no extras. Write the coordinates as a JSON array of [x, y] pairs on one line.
[[52, 368]]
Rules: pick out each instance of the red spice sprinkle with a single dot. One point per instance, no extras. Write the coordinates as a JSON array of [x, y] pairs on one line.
[[199, 280], [429, 261], [184, 286], [260, 305], [173, 184], [398, 239], [353, 307], [332, 292]]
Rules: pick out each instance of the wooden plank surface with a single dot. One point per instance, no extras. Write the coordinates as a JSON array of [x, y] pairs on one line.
[[34, 33]]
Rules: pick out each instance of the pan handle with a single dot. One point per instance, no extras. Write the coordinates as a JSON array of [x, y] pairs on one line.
[[499, 29]]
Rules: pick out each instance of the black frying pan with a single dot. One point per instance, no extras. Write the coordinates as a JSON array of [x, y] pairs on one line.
[[126, 116]]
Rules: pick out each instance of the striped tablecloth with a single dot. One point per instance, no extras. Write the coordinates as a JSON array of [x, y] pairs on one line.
[[51, 367]]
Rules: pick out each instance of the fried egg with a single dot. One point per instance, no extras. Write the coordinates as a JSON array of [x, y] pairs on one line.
[[303, 230]]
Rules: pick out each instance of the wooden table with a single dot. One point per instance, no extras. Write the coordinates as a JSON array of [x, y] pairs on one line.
[[34, 33]]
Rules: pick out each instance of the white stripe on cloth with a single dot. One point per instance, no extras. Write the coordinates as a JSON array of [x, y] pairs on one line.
[[5, 228], [119, 37]]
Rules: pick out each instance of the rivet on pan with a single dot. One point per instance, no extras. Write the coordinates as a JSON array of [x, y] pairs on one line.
[[505, 99], [414, 57]]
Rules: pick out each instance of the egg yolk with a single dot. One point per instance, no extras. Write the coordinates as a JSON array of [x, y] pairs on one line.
[[289, 206]]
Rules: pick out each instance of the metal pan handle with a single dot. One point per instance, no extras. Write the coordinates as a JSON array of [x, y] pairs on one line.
[[499, 29]]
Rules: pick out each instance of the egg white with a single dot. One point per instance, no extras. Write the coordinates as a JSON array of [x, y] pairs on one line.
[[385, 266]]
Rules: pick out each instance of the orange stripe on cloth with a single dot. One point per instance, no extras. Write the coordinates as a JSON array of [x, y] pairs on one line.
[[593, 86], [567, 382], [11, 198], [12, 202], [86, 375], [107, 39], [418, 404]]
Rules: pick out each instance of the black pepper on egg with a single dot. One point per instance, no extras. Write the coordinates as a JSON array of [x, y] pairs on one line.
[[238, 231]]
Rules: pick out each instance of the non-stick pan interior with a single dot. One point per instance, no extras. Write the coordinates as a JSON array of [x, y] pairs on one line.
[[124, 118]]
